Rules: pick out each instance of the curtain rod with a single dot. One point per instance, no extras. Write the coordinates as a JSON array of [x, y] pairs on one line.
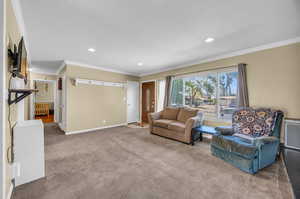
[[205, 70]]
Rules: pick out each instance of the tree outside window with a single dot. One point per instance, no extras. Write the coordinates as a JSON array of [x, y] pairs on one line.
[[215, 93]]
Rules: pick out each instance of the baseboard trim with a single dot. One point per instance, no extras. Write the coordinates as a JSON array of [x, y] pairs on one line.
[[9, 194], [61, 126], [94, 129]]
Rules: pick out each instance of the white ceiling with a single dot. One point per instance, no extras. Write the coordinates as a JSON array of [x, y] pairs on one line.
[[162, 34]]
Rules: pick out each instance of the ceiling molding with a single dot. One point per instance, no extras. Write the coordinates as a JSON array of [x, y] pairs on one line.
[[63, 64], [228, 55], [43, 73], [98, 67], [20, 21]]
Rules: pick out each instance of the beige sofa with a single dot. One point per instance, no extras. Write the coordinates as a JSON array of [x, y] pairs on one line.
[[175, 123]]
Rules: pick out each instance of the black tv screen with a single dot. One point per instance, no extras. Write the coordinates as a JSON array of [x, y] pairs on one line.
[[22, 65]]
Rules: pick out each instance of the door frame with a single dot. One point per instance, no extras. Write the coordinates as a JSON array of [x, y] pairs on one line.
[[139, 101], [32, 99], [63, 123], [141, 96]]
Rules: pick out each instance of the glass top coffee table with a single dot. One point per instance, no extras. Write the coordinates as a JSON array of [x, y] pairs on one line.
[[198, 132]]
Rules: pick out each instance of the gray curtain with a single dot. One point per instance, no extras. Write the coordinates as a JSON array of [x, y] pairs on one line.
[[168, 91], [243, 99]]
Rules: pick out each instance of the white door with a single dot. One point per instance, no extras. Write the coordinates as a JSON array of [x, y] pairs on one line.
[[133, 98]]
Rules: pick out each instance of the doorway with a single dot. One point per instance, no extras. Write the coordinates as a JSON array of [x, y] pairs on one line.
[[148, 100], [44, 100]]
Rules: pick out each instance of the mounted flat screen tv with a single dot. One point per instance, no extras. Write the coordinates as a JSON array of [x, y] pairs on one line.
[[22, 60], [20, 64]]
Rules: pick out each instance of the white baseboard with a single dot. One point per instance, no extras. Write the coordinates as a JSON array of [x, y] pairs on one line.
[[9, 194], [61, 126], [94, 129]]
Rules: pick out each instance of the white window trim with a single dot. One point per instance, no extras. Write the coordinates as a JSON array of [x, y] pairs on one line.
[[183, 93], [218, 97]]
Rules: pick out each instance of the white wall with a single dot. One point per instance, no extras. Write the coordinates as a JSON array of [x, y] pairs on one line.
[[18, 83], [2, 94]]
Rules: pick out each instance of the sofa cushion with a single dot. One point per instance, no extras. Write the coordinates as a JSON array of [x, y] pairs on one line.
[[170, 113], [162, 123], [177, 126], [186, 113]]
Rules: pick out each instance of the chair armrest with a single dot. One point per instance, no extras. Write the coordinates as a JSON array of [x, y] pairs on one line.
[[225, 130], [192, 123], [265, 140], [154, 116]]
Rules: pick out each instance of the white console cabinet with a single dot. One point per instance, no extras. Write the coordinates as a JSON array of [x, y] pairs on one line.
[[29, 151]]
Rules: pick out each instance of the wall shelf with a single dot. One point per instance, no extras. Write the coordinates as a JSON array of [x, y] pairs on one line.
[[19, 94], [98, 83]]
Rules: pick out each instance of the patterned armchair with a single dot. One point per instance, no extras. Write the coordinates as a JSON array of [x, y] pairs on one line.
[[252, 142]]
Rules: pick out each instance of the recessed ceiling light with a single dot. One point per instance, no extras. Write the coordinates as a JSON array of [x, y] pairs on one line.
[[140, 64], [209, 39], [92, 50]]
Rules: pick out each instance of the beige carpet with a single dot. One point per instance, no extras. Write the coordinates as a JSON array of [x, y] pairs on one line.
[[122, 163]]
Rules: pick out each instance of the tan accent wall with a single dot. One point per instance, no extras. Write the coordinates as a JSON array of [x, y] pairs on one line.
[[89, 105], [13, 36], [273, 77]]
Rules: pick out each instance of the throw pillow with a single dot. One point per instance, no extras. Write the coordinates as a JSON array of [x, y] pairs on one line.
[[170, 113]]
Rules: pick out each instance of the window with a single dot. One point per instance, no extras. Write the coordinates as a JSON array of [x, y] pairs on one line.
[[214, 93], [161, 94]]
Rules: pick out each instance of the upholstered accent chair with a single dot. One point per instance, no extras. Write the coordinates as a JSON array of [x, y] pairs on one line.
[[175, 123], [252, 142]]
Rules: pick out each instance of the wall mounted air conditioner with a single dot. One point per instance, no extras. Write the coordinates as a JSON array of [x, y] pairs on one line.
[[292, 133]]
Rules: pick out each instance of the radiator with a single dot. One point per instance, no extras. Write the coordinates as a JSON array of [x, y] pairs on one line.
[[292, 133]]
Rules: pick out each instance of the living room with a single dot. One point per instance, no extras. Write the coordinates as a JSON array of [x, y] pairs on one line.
[[114, 99]]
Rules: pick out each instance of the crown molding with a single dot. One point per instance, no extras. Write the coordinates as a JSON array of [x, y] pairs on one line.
[[43, 73], [228, 55], [21, 24], [63, 64], [98, 67]]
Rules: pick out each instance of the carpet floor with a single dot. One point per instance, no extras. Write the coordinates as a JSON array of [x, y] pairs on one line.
[[130, 163]]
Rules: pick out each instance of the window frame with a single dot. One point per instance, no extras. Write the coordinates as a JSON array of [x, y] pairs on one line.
[[215, 72]]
